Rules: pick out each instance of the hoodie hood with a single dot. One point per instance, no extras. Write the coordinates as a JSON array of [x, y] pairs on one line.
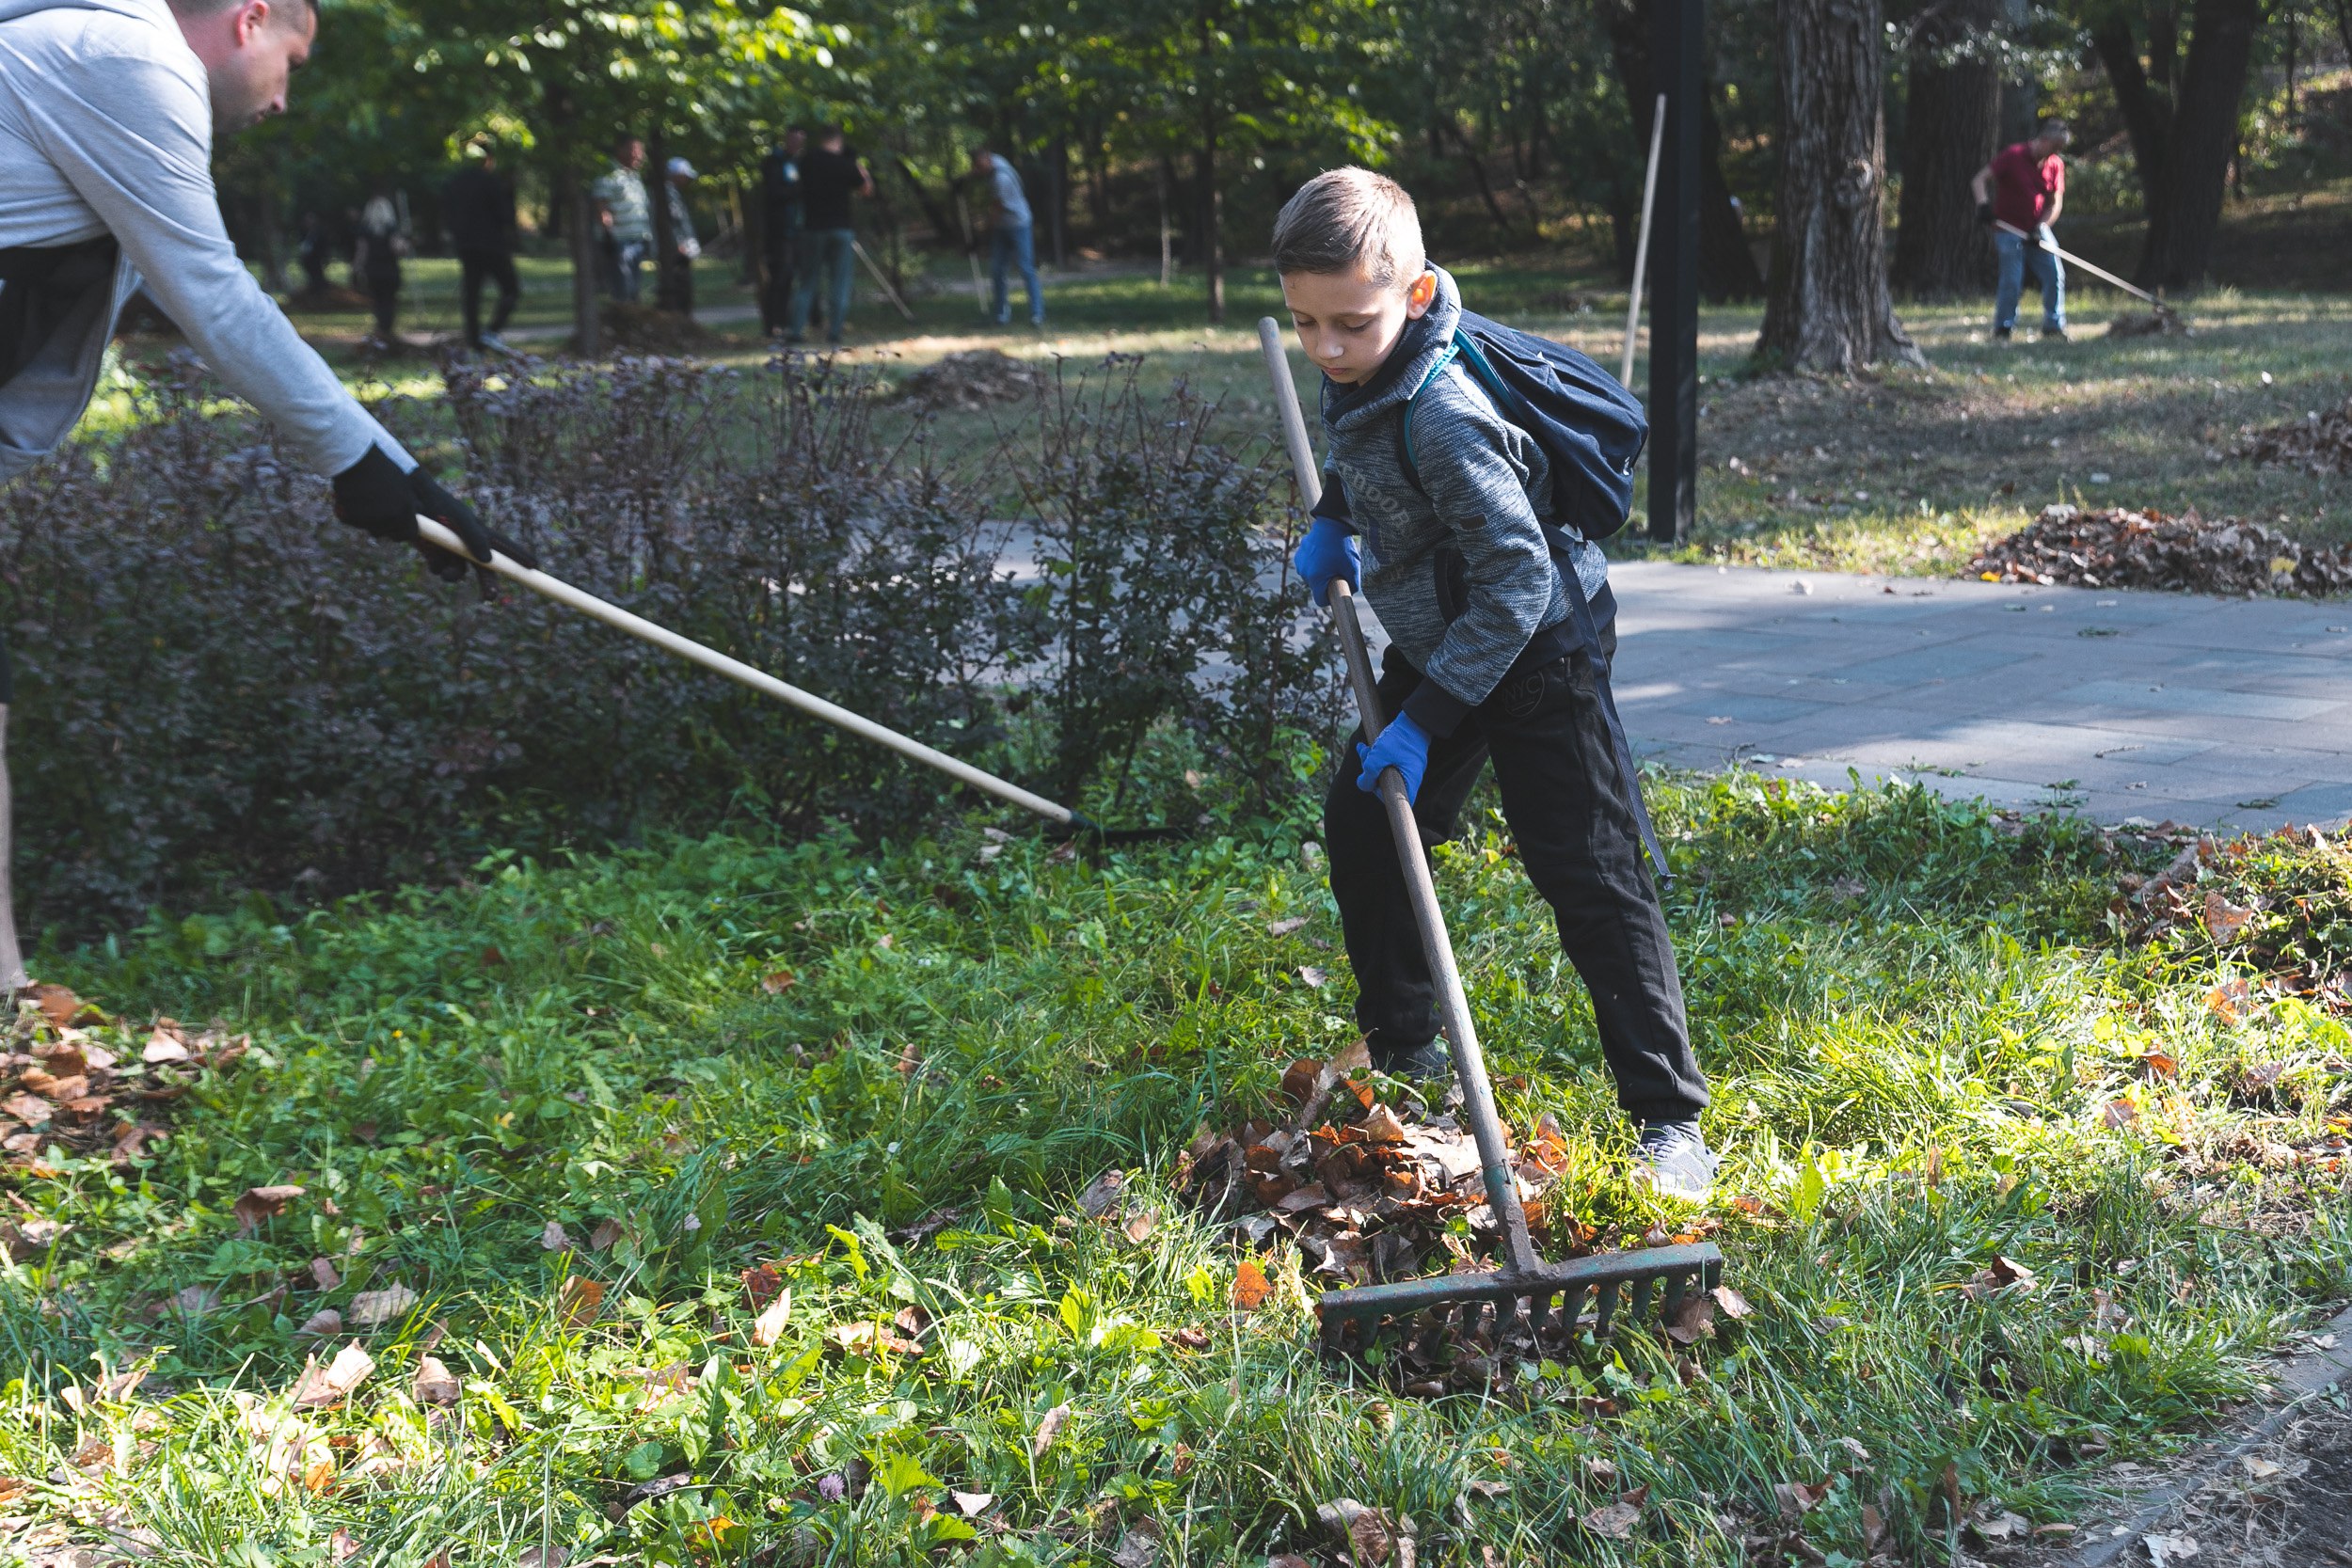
[[1423, 345], [145, 10]]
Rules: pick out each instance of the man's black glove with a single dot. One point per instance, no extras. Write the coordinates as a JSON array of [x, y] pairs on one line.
[[373, 494], [1984, 213]]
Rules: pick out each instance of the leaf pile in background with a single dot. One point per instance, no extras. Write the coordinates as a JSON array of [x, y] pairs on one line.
[[2116, 547], [2315, 444], [75, 1078], [972, 379]]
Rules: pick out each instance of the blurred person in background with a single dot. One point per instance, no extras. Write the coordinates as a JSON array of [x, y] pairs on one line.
[[478, 206], [625, 218], [831, 175], [377, 263], [780, 223], [677, 273], [108, 110]]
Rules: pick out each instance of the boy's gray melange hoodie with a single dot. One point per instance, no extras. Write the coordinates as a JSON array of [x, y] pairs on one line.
[[1483, 486]]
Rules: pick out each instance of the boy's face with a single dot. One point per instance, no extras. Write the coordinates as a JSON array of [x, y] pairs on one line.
[[1347, 324]]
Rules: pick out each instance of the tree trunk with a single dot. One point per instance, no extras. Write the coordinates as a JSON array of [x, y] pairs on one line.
[[2204, 133], [1726, 265], [580, 228], [1211, 198], [1829, 309], [1941, 251], [1478, 172]]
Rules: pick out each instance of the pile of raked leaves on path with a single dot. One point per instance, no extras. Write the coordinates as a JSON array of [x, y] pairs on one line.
[[2315, 444], [75, 1079], [973, 379], [2116, 547], [1369, 1185]]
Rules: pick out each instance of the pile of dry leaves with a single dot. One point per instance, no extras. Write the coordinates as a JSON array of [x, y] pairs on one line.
[[1369, 1191], [73, 1078], [2316, 443], [2120, 548], [972, 379], [642, 329]]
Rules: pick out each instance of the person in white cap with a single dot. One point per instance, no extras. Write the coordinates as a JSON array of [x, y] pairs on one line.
[[679, 266], [108, 113]]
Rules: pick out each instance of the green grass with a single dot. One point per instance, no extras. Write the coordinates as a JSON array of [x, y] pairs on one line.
[[1917, 1016]]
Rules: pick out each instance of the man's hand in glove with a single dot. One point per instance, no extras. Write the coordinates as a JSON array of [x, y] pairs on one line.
[[1403, 746], [373, 494], [1984, 213], [1328, 551]]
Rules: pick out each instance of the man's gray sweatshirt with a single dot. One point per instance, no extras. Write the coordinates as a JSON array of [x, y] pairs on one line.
[[1457, 566], [107, 129]]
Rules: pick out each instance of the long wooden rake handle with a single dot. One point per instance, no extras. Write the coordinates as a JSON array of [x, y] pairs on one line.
[[1469, 1065], [758, 680], [2095, 271]]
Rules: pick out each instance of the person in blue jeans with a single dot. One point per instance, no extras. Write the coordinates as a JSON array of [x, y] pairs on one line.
[[1011, 239], [830, 176], [2024, 189]]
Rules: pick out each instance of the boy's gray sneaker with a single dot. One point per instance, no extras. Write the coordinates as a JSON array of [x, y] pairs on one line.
[[1421, 1063], [1673, 1159]]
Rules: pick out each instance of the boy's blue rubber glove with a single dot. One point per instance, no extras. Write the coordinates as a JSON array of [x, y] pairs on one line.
[[1327, 551], [1403, 746]]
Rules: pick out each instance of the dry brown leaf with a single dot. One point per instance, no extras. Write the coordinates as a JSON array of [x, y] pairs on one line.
[[323, 1322], [433, 1384], [1798, 1499], [334, 1382], [57, 1004], [1139, 1547], [777, 981], [579, 1300], [1731, 1303], [29, 1109], [1693, 1318], [604, 1235], [760, 1284], [1140, 1224], [262, 1203], [163, 1049], [374, 1308], [1312, 976], [1285, 928], [2223, 919], [2119, 1113], [554, 1238], [1048, 1428], [1102, 1192], [342, 1546], [196, 1300], [1250, 1286], [322, 1274], [1381, 1125], [1616, 1521]]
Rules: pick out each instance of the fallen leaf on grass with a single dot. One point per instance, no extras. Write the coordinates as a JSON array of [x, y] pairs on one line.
[[1693, 1318], [1140, 1224], [1312, 976], [1190, 1338], [910, 1058], [2163, 1550], [2119, 1113], [768, 1326], [434, 1383], [334, 1382], [2004, 1525], [760, 1284], [1373, 1535], [1487, 1490], [2156, 1063], [57, 1004], [196, 1300], [374, 1308], [323, 1322], [1048, 1428], [162, 1048], [1731, 1303], [2002, 1273], [1139, 1547], [1797, 1499], [973, 1504], [2223, 919], [604, 1235], [579, 1300], [262, 1203], [1250, 1286], [1381, 1125], [871, 1338], [777, 981], [2229, 1002], [554, 1238], [1102, 1192], [1285, 928], [1616, 1521], [322, 1274], [342, 1546]]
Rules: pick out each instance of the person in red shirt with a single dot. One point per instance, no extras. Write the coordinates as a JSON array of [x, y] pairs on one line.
[[2025, 186]]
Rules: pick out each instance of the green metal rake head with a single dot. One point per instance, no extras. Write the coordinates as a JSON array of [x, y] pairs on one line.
[[1539, 1306]]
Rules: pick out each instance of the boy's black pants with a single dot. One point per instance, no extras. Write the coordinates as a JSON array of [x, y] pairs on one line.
[[1568, 813]]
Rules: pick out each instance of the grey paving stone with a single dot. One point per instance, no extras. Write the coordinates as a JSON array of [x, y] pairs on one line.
[[2174, 697]]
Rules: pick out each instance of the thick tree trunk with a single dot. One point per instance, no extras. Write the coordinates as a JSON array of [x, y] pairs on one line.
[[1726, 265], [1829, 309], [1941, 251], [2204, 133]]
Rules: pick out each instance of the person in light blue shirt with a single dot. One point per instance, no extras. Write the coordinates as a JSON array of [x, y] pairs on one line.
[[1012, 237]]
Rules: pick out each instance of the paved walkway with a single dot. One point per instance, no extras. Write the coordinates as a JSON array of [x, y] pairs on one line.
[[2226, 713]]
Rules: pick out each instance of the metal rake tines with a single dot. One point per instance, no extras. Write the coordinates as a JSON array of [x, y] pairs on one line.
[[1550, 1302]]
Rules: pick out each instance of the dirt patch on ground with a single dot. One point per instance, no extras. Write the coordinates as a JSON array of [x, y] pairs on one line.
[[972, 379], [2114, 548], [642, 329]]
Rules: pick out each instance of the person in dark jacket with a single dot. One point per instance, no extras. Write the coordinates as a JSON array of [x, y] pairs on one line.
[[780, 215], [377, 263], [1454, 559], [478, 207]]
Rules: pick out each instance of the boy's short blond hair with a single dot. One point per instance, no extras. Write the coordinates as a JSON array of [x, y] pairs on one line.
[[1346, 218]]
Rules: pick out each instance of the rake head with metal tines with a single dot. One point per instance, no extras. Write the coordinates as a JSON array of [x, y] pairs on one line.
[[1546, 1305]]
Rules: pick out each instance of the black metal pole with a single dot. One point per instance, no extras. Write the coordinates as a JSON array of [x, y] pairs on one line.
[[1674, 274]]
